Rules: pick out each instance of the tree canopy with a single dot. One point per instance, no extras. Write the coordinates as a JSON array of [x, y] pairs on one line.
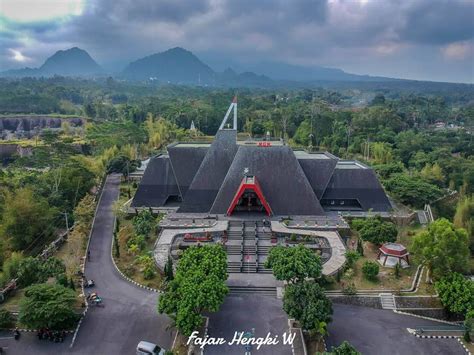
[[294, 264], [306, 302], [344, 349], [375, 230], [442, 247], [143, 223], [198, 286], [412, 190], [48, 305], [26, 219], [464, 217], [456, 293]]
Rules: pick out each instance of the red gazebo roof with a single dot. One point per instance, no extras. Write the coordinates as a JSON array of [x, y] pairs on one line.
[[394, 249]]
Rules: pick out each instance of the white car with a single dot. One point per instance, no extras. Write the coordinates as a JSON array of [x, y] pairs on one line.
[[147, 348]]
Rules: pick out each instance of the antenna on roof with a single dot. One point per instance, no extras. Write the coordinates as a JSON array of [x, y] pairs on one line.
[[233, 105]]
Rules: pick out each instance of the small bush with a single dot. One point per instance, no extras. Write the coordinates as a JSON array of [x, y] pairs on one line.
[[138, 241], [143, 223], [10, 267], [148, 265], [34, 270], [6, 319], [370, 269], [397, 270], [360, 246], [351, 257], [349, 289], [62, 280]]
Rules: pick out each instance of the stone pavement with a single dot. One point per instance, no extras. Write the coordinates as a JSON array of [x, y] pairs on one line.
[[338, 250], [166, 238]]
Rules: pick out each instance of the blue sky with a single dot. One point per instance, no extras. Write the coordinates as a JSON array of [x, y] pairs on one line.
[[416, 39]]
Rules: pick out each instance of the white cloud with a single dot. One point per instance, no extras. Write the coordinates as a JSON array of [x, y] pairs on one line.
[[17, 56], [39, 10]]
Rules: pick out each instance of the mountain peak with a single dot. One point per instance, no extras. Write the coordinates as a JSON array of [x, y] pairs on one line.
[[176, 65], [177, 50], [72, 61]]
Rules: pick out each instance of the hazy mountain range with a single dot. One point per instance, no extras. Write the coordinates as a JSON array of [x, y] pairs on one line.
[[181, 66]]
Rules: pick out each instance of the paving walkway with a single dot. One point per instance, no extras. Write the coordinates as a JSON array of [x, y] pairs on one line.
[[167, 236], [338, 250]]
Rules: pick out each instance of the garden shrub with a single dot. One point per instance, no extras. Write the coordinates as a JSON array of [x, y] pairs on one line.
[[6, 319], [143, 223], [370, 269]]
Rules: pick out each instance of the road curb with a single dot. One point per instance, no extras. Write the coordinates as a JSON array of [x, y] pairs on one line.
[[423, 317], [23, 330], [464, 346], [437, 336], [458, 337]]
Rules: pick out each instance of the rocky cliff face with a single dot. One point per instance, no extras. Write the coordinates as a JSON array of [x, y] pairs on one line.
[[26, 126]]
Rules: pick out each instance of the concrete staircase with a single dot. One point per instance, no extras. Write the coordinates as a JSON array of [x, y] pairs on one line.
[[264, 236], [234, 246], [388, 301], [257, 290], [249, 256], [252, 242], [248, 245]]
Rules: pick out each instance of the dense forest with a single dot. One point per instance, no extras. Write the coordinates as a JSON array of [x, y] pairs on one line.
[[420, 143]]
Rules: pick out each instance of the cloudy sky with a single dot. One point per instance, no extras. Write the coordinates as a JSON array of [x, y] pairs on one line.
[[416, 39]]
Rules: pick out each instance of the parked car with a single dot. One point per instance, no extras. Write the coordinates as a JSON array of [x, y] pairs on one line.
[[147, 348]]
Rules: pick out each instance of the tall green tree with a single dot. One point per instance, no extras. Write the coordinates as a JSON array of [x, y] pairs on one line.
[[198, 286], [443, 248], [143, 223], [464, 217], [456, 293], [306, 302], [375, 230], [412, 190], [26, 219], [294, 264], [48, 305]]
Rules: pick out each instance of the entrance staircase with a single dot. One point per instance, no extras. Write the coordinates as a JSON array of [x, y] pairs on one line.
[[248, 245], [252, 290]]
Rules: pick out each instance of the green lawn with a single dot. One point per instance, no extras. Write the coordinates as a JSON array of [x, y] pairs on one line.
[[386, 279]]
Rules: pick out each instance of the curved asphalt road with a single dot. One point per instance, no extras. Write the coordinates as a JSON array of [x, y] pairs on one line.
[[129, 314]]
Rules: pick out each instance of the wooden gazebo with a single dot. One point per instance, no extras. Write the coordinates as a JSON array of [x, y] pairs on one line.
[[393, 250]]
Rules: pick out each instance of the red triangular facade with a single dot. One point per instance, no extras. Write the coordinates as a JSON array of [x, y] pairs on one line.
[[249, 183]]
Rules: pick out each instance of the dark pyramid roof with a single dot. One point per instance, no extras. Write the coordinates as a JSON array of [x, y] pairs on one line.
[[361, 184], [157, 184], [281, 178], [318, 172], [186, 162], [211, 173]]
